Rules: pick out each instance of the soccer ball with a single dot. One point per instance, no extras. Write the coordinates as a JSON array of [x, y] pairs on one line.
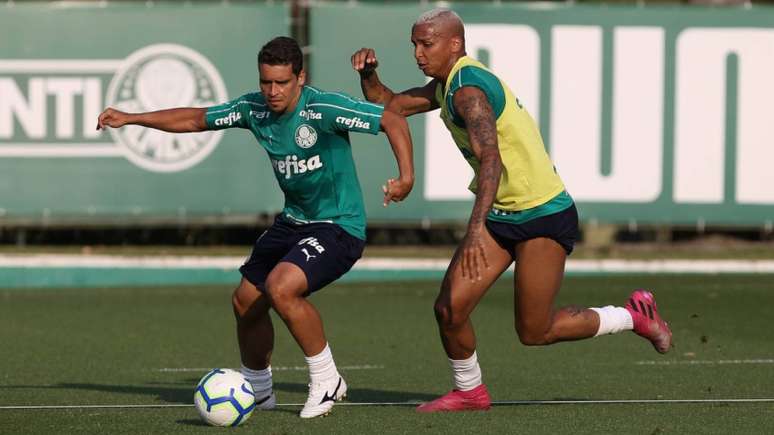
[[224, 398]]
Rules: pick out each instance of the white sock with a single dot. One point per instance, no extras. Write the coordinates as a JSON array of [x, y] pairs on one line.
[[467, 373], [613, 320], [321, 366], [259, 379]]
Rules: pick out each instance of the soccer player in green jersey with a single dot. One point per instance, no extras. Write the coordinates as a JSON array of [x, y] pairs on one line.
[[320, 233], [522, 212]]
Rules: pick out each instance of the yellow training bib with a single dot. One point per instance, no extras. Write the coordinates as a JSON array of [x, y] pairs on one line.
[[528, 178]]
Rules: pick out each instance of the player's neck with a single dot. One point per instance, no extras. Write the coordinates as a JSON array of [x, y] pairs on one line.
[[292, 106], [453, 61]]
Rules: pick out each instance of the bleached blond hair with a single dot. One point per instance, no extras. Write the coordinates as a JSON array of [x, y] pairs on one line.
[[437, 14]]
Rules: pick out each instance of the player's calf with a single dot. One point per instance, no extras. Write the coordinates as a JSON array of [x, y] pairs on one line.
[[565, 324]]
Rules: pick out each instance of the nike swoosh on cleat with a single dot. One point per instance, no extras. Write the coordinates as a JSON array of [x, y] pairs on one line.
[[258, 402], [327, 398]]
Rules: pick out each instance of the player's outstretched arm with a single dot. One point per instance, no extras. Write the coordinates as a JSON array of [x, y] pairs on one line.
[[406, 103], [181, 120], [397, 131], [473, 106]]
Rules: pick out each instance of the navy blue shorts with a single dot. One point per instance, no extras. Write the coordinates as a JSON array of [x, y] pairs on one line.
[[323, 251], [561, 227]]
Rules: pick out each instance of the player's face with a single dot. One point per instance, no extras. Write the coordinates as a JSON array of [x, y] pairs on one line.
[[280, 86], [432, 50]]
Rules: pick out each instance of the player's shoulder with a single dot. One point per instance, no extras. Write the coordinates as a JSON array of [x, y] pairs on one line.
[[254, 98], [317, 95], [474, 75], [252, 104], [332, 99]]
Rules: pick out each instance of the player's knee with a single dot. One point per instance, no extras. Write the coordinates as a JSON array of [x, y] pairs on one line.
[[237, 304], [442, 312], [533, 339], [280, 295], [533, 336], [446, 317], [241, 301]]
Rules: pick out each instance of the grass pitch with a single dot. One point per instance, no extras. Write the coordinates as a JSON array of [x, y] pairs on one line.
[[126, 347]]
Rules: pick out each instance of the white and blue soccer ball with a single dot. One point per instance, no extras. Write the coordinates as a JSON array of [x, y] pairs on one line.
[[224, 397]]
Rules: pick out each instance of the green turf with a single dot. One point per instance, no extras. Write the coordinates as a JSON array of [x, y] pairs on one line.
[[107, 346]]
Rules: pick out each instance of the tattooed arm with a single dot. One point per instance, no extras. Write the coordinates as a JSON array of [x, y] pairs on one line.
[[474, 108]]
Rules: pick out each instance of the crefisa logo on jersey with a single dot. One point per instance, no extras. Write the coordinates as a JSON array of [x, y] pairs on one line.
[[229, 120], [292, 165], [353, 122], [306, 136], [310, 114], [155, 77]]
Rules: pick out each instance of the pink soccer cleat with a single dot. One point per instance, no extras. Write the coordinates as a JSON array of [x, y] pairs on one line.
[[647, 322], [476, 399]]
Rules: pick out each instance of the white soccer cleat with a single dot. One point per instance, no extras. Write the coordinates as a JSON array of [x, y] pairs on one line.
[[322, 396], [266, 403]]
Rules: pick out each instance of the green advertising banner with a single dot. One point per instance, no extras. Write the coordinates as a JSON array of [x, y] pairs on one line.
[[651, 115], [61, 63]]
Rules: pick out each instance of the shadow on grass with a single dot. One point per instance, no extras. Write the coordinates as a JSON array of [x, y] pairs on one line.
[[363, 394], [184, 395], [176, 395], [192, 422]]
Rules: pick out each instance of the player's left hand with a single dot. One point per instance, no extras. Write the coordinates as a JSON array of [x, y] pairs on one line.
[[473, 255], [396, 190]]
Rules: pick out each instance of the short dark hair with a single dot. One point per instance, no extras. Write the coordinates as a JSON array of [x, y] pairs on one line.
[[282, 51]]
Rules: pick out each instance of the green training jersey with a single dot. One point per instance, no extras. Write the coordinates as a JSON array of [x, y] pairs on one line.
[[310, 151]]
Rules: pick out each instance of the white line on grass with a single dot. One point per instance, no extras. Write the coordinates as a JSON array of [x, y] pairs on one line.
[[168, 405], [414, 403], [704, 362], [274, 368], [375, 264]]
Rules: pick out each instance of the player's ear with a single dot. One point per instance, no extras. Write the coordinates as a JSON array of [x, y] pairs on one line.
[[457, 45], [302, 78]]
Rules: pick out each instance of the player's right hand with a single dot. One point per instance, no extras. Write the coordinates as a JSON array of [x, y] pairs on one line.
[[364, 60], [473, 254], [111, 118]]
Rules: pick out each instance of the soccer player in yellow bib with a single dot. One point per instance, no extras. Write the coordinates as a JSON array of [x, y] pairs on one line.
[[521, 213]]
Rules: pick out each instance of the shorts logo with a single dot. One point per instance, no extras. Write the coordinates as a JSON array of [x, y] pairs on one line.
[[308, 255], [353, 122], [306, 136], [311, 241]]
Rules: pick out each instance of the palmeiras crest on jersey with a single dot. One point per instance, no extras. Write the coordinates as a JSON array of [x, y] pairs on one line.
[[164, 76], [306, 136]]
